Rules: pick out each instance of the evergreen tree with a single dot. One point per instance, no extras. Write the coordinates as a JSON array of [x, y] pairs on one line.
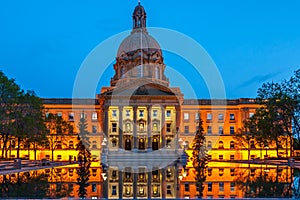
[[84, 157], [199, 159]]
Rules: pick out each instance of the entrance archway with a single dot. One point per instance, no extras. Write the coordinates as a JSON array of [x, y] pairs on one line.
[[141, 144], [155, 144], [128, 144]]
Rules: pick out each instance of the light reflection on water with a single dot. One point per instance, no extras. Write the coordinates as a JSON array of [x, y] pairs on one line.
[[224, 180]]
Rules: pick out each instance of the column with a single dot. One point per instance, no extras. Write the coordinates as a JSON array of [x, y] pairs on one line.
[[149, 128], [163, 128], [163, 183], [135, 179], [120, 170], [135, 128], [121, 127], [149, 183]]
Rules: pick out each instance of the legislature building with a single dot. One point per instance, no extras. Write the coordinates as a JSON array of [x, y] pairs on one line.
[[139, 127]]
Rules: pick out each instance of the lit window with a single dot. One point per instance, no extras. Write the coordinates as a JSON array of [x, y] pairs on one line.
[[154, 113], [141, 126], [209, 116], [154, 127], [168, 113], [71, 116], [128, 127], [186, 116], [221, 187], [231, 157], [221, 145], [220, 117], [94, 116], [209, 130], [186, 129], [232, 145], [231, 130], [232, 117]]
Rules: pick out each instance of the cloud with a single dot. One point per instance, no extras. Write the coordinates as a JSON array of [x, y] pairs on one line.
[[257, 79]]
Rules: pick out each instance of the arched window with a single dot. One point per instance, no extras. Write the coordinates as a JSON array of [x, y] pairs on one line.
[[209, 145], [221, 145], [140, 71], [122, 72], [154, 127], [157, 73], [232, 145]]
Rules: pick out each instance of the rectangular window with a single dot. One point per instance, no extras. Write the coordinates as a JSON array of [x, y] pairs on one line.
[[209, 130], [209, 157], [220, 117], [83, 115], [186, 116], [186, 129], [168, 113], [141, 113], [231, 157], [94, 187], [127, 113], [232, 186], [114, 127], [94, 129], [221, 130], [58, 157], [220, 157], [186, 187], [155, 113], [221, 186], [59, 114], [114, 190], [231, 130], [209, 116], [169, 190], [71, 116], [209, 171], [197, 116], [232, 117], [232, 171], [94, 116], [114, 113], [209, 186], [168, 127], [221, 171]]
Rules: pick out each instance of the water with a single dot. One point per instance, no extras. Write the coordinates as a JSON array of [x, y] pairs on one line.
[[224, 180]]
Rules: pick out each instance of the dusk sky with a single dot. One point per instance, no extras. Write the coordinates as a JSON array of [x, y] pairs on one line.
[[43, 43]]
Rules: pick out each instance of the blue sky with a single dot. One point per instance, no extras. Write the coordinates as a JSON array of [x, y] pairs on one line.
[[43, 43]]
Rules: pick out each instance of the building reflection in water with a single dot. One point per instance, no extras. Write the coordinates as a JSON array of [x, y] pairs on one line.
[[224, 180]]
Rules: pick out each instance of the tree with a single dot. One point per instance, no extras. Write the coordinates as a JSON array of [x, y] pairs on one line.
[[199, 159], [57, 129], [84, 157]]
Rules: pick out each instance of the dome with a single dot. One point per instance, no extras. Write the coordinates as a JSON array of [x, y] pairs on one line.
[[138, 39]]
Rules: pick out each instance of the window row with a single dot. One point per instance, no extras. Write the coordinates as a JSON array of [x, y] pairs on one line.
[[140, 113], [209, 130], [128, 127], [71, 115], [220, 186]]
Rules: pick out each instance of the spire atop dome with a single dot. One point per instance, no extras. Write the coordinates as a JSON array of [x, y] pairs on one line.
[[139, 17]]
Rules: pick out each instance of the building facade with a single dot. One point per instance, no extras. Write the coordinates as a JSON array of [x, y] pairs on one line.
[[139, 126]]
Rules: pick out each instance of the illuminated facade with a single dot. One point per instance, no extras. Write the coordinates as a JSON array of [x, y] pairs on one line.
[[138, 123]]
